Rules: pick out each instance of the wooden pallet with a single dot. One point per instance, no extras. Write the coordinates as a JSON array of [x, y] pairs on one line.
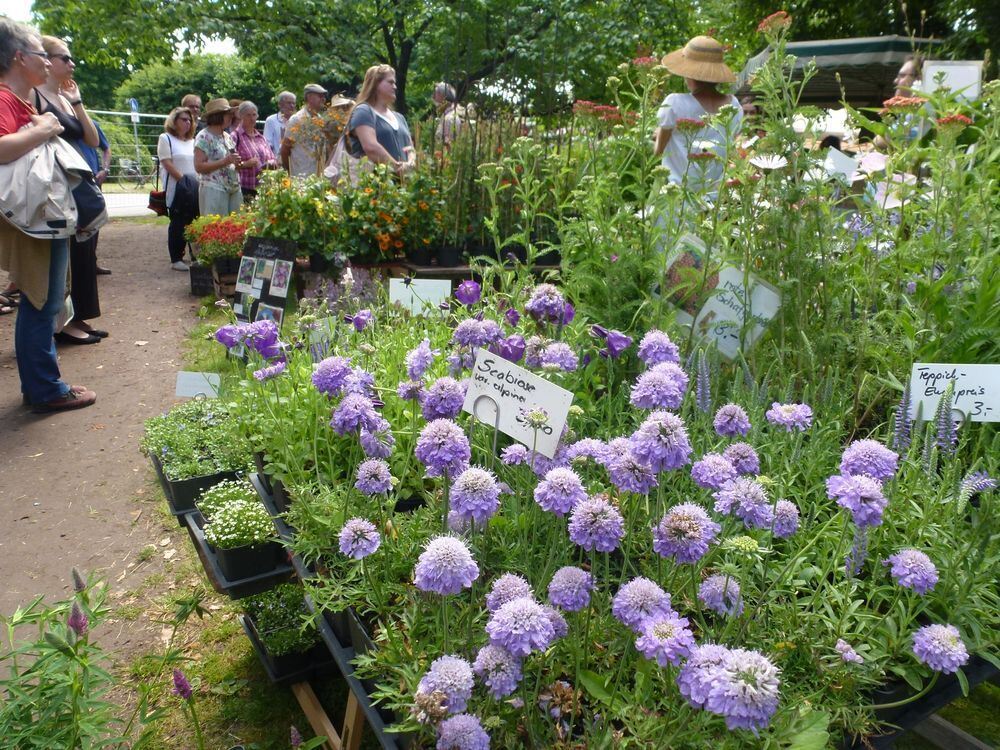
[[349, 736]]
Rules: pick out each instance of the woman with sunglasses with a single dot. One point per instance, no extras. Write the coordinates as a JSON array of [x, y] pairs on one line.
[[60, 95], [176, 152]]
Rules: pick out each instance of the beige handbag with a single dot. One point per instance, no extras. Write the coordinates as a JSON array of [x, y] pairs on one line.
[[343, 164]]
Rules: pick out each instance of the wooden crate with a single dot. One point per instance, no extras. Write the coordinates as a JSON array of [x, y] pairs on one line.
[[224, 284]]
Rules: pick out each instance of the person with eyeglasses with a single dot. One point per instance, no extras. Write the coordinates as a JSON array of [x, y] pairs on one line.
[[175, 150], [37, 266], [61, 96]]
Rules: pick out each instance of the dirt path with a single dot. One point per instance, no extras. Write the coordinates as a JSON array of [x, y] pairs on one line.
[[74, 490]]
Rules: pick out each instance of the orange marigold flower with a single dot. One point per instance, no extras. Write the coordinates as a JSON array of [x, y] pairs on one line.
[[775, 22]]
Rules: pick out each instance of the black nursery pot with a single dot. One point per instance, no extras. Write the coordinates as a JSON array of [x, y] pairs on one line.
[[482, 249], [227, 265], [449, 256], [182, 493], [246, 562], [265, 478], [281, 667], [420, 255]]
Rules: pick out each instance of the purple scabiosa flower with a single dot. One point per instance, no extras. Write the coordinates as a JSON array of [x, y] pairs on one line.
[[912, 569], [182, 688], [745, 690], [462, 732], [870, 458], [665, 638], [713, 471], [559, 626], [861, 495], [378, 443], [533, 351], [560, 491], [559, 356], [638, 600], [443, 447], [790, 416], [596, 524], [695, 678], [445, 566], [747, 499], [657, 348], [743, 457], [359, 320], [373, 477], [419, 359], [231, 334], [786, 519], [359, 538], [506, 588], [731, 420], [498, 669], [546, 304], [854, 560], [847, 652], [330, 375], [443, 399], [721, 594], [510, 348], [468, 292], [568, 313], [684, 533], [514, 455], [475, 494], [78, 621], [512, 316], [587, 448], [940, 647], [409, 390], [703, 385], [459, 523], [570, 588], [903, 424], [616, 342], [361, 381], [617, 449], [451, 676], [660, 387], [661, 442], [520, 626], [475, 333], [629, 474], [271, 371], [356, 412], [262, 337]]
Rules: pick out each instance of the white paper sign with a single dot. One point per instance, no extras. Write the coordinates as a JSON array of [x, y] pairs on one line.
[[962, 77], [839, 164], [416, 295], [976, 396], [499, 384], [191, 384]]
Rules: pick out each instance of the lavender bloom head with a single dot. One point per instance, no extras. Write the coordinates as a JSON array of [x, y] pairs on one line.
[[546, 304], [660, 387], [616, 341], [231, 334], [629, 474], [596, 524], [373, 477], [359, 538], [443, 447], [656, 348], [359, 320], [638, 600], [512, 316], [861, 495], [847, 652], [721, 594], [790, 416], [661, 442], [703, 385], [745, 690], [559, 356], [570, 588], [854, 561], [78, 621], [912, 569], [521, 626], [409, 390], [695, 678], [182, 688], [330, 375], [452, 676], [356, 412], [443, 399], [359, 381], [743, 458], [468, 293], [560, 491], [419, 359], [514, 455], [870, 458], [587, 448], [665, 638], [684, 533], [475, 494], [378, 443], [507, 588], [445, 566], [499, 670], [475, 333], [295, 737], [559, 626], [786, 519], [533, 351], [940, 647], [713, 471], [731, 420], [747, 499], [903, 424], [462, 732]]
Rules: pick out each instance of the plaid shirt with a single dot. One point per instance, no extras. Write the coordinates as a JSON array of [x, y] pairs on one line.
[[249, 145]]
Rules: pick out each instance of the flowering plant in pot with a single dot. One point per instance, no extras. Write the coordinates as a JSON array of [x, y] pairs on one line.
[[285, 638], [423, 224], [225, 493], [218, 240], [373, 216], [242, 534]]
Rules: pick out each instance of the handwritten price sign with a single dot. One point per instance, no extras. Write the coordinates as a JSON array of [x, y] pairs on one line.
[[976, 395]]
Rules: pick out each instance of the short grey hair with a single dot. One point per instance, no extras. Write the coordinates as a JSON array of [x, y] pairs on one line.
[[245, 107], [285, 95], [446, 90], [14, 37]]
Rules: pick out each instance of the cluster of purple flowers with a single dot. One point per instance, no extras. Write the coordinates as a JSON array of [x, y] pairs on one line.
[[443, 399], [587, 448], [665, 638], [912, 569], [657, 348], [615, 342], [847, 653], [660, 387], [547, 304], [451, 676], [721, 594], [270, 371], [746, 498], [506, 588], [419, 359], [355, 412], [570, 588], [521, 626], [790, 416], [638, 600], [684, 533], [738, 684], [713, 471], [628, 472], [378, 443], [360, 319], [331, 374], [373, 477], [559, 356], [475, 333], [462, 732], [359, 538], [743, 457], [445, 566], [661, 442], [443, 448], [869, 458], [560, 491], [861, 495], [475, 494], [731, 420], [940, 647], [261, 336], [596, 524], [511, 347], [786, 519], [499, 670]]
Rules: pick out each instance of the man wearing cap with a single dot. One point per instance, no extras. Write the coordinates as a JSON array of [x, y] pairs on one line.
[[274, 126], [300, 159]]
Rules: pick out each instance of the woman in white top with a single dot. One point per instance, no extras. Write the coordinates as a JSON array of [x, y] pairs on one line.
[[175, 150], [678, 136]]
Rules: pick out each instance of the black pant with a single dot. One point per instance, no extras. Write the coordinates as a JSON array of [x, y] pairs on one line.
[[83, 275], [175, 236]]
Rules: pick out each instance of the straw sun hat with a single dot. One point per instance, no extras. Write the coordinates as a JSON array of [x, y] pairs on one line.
[[700, 59], [217, 105]]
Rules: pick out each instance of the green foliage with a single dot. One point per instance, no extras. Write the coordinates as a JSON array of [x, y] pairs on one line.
[[282, 620]]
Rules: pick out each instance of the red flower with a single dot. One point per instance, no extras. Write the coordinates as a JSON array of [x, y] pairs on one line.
[[955, 122], [904, 103], [775, 22]]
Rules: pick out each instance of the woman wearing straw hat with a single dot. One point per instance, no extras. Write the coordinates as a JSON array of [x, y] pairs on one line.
[[700, 62], [216, 162]]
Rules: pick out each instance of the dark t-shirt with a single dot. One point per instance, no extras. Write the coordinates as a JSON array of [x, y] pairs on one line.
[[393, 141]]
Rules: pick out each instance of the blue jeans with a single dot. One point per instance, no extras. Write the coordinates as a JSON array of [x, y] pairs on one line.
[[36, 350]]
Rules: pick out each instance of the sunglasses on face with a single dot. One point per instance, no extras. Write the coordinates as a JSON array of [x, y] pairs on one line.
[[65, 58]]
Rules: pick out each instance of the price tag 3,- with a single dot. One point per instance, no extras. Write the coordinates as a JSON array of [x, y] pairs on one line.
[[500, 392], [976, 394]]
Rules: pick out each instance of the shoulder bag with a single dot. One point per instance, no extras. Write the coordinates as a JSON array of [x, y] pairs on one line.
[[158, 198]]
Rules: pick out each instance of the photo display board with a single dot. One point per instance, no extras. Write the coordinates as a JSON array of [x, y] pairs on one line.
[[264, 279]]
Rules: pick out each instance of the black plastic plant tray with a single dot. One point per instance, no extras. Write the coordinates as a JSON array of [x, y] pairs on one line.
[[313, 668], [285, 531], [182, 494]]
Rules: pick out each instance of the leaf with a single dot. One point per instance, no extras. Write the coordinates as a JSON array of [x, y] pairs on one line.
[[963, 681], [597, 686], [813, 734]]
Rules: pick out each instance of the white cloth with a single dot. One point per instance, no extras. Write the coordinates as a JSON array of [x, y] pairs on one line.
[[181, 155], [703, 175], [274, 131]]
